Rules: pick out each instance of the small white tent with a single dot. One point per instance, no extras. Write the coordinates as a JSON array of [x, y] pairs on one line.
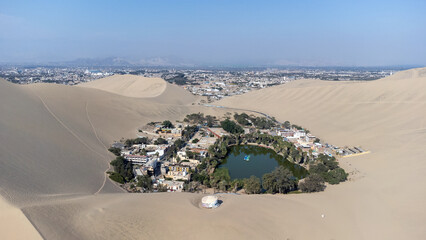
[[210, 202]]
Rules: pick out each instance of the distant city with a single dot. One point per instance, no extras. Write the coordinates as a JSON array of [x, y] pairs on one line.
[[214, 83]]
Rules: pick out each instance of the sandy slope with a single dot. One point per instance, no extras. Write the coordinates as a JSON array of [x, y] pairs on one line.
[[54, 137], [142, 87], [14, 224], [129, 85], [53, 159], [387, 117]]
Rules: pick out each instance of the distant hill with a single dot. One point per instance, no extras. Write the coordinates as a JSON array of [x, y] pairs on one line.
[[98, 62]]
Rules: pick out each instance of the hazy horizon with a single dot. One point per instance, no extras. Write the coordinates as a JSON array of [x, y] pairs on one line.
[[302, 33]]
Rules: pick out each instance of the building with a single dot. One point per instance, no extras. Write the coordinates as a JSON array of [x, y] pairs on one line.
[[141, 159], [173, 186], [178, 172], [179, 168]]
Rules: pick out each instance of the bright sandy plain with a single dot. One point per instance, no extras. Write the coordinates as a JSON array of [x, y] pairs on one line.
[[53, 158]]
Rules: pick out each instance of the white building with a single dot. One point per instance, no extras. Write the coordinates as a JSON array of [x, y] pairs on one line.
[[141, 159]]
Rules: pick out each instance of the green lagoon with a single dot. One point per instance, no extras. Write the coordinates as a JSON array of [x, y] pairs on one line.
[[246, 160]]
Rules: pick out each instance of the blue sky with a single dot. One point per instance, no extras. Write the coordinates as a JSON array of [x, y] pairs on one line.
[[297, 32]]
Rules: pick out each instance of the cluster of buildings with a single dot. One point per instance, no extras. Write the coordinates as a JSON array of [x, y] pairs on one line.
[[171, 169], [150, 159], [215, 84], [219, 84], [59, 75], [308, 142], [302, 140]]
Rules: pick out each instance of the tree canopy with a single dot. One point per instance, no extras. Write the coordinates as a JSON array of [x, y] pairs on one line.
[[328, 168], [252, 185], [145, 182], [160, 141], [242, 119], [312, 183], [123, 167], [167, 124], [231, 126], [115, 150], [281, 180], [141, 140]]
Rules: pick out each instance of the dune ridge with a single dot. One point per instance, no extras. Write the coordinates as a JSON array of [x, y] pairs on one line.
[[129, 85], [156, 89], [56, 179]]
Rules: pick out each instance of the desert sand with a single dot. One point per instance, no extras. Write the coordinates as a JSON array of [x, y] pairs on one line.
[[154, 89], [53, 160], [129, 85], [14, 224]]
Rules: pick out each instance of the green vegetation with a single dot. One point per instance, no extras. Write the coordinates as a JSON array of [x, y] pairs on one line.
[[237, 184], [263, 123], [173, 149], [160, 141], [189, 132], [242, 119], [231, 127], [145, 182], [114, 150], [167, 124], [281, 180], [312, 183], [252, 185], [210, 120], [123, 168], [191, 186], [287, 124], [193, 155], [195, 118], [152, 123], [142, 140], [207, 174], [116, 177], [287, 149], [259, 122], [328, 168], [199, 118], [336, 176], [221, 179], [219, 150], [202, 178], [297, 127]]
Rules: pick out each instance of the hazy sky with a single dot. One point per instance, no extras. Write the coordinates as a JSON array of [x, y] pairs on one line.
[[317, 32]]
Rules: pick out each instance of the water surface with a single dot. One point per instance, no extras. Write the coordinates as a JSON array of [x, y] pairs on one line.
[[261, 160]]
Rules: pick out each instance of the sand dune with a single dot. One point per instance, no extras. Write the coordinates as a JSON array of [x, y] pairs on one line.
[[53, 158], [386, 116], [14, 224], [129, 85], [142, 87]]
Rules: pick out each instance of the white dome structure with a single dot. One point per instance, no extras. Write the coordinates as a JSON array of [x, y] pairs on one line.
[[210, 202]]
